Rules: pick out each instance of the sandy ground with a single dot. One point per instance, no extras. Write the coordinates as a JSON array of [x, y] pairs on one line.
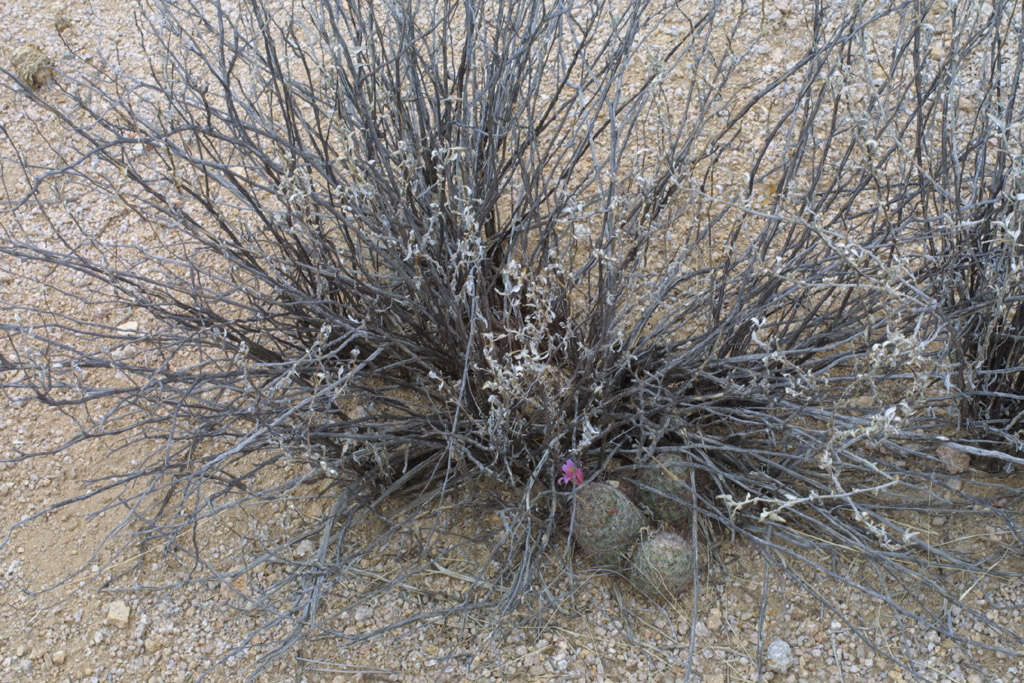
[[78, 630]]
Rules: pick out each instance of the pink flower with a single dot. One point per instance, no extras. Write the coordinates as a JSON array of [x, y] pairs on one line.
[[571, 474]]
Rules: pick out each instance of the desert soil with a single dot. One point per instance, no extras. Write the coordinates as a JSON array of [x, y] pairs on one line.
[[53, 629]]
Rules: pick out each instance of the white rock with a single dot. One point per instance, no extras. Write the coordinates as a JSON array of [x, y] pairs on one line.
[[304, 549], [59, 657], [141, 626], [118, 613], [779, 656], [363, 612]]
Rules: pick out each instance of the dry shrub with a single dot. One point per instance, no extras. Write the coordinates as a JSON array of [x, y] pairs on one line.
[[429, 249]]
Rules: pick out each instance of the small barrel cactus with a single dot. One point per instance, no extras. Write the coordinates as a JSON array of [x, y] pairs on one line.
[[663, 565], [664, 488], [606, 523], [33, 66]]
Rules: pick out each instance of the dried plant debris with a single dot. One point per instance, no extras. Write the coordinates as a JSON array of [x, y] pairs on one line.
[[62, 19]]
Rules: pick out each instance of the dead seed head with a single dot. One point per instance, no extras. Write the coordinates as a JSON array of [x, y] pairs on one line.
[[62, 20]]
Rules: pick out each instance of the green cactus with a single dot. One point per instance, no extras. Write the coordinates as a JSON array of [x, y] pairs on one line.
[[665, 490], [663, 565], [606, 524]]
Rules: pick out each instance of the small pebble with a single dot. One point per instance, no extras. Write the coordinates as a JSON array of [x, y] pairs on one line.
[[118, 613], [780, 656]]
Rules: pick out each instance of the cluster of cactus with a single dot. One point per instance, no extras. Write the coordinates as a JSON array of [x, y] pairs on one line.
[[607, 527], [662, 564], [607, 523], [664, 488]]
